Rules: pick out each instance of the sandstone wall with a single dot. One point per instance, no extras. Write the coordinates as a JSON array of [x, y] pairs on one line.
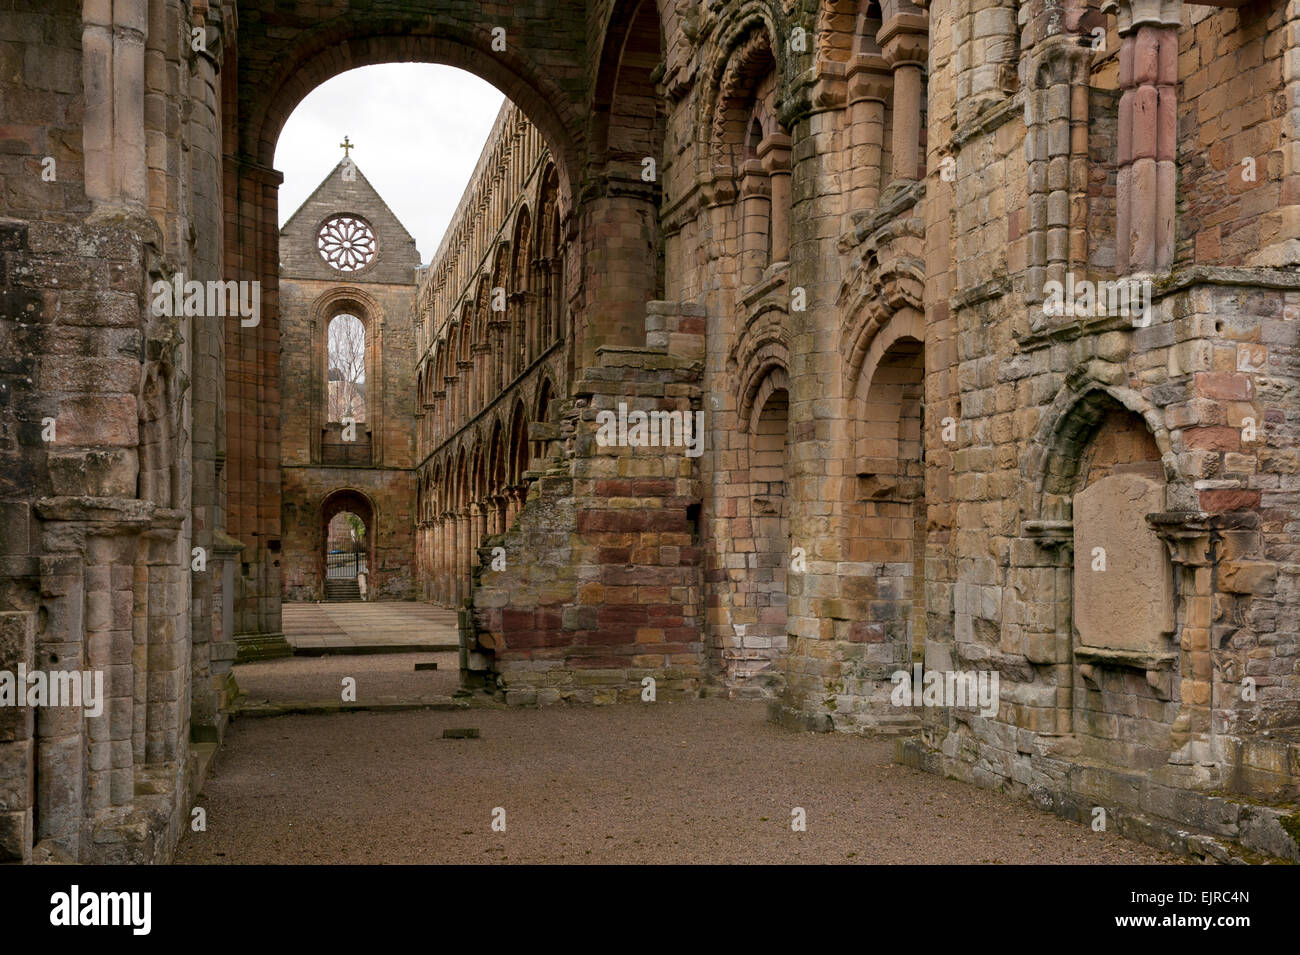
[[318, 465]]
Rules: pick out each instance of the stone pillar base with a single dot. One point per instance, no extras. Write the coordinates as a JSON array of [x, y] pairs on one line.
[[261, 646]]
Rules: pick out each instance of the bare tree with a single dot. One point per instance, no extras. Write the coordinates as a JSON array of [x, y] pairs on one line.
[[347, 369]]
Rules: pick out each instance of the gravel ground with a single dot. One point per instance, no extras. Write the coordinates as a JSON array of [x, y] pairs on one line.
[[380, 677], [707, 781]]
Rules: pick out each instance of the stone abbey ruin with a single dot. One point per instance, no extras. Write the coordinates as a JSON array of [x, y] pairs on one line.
[[776, 348]]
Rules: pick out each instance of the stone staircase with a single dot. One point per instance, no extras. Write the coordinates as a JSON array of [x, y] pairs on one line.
[[342, 589]]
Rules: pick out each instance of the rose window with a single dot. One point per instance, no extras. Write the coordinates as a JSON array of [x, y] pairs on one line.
[[346, 243]]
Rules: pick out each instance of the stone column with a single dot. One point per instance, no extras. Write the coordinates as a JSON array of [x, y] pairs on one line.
[[1148, 134], [467, 403], [252, 404], [446, 540], [463, 530], [439, 427], [451, 559], [1194, 540], [86, 765], [1056, 150], [755, 222], [542, 293], [905, 42], [619, 242], [113, 45], [774, 154], [499, 332], [210, 673], [514, 504], [480, 511], [555, 316], [453, 405], [1047, 571], [430, 582], [870, 88], [483, 379]]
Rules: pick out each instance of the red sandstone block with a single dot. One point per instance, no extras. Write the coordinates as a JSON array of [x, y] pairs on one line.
[[512, 620], [596, 663], [618, 522], [1146, 105], [1214, 501], [1213, 439], [665, 521], [1226, 385], [1166, 123], [651, 488], [1146, 55], [525, 639], [1124, 133], [861, 632], [613, 555], [616, 616], [610, 638]]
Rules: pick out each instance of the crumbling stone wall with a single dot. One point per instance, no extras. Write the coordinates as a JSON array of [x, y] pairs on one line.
[[594, 595], [116, 562], [851, 209]]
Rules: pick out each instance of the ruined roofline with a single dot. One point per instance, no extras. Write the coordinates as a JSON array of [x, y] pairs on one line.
[[469, 198]]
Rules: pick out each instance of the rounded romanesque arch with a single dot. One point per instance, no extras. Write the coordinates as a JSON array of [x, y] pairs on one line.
[[335, 502], [549, 262], [745, 154], [761, 351], [755, 521], [494, 491], [1068, 424], [743, 59], [274, 74], [522, 317], [888, 280], [518, 453]]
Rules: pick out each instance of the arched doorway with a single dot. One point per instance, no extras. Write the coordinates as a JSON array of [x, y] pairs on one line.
[[264, 78], [887, 518], [347, 548]]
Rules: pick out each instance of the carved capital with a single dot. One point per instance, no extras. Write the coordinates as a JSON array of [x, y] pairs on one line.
[[1132, 14], [870, 78], [905, 40]]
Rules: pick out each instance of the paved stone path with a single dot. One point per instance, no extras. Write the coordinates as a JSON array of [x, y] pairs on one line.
[[378, 679], [358, 627], [708, 781]]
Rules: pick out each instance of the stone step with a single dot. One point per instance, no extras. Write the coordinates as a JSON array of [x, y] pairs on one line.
[[342, 590]]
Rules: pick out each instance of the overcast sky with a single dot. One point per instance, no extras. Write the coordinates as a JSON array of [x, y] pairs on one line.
[[418, 131]]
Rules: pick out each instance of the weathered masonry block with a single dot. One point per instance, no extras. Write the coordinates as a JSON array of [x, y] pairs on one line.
[[600, 584]]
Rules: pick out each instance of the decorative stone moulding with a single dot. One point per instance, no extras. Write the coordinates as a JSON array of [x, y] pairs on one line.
[[346, 243], [1132, 14], [870, 78]]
